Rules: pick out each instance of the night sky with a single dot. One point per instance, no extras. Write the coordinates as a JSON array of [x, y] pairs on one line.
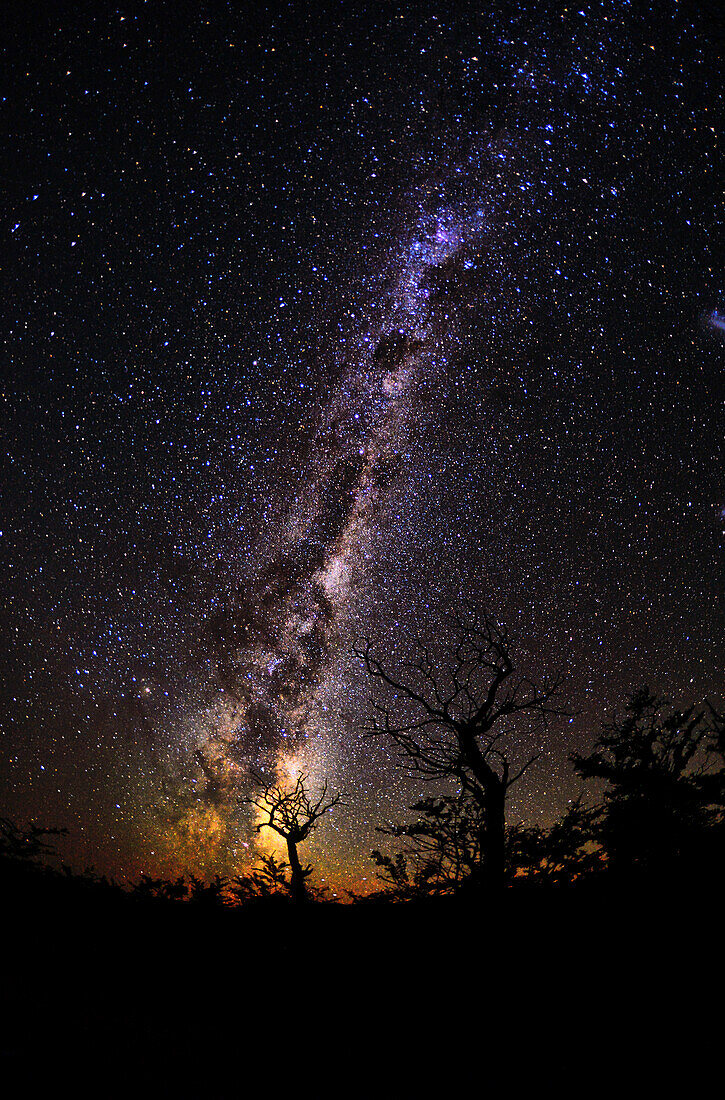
[[316, 324]]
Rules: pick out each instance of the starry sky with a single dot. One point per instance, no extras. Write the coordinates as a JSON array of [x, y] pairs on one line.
[[320, 323]]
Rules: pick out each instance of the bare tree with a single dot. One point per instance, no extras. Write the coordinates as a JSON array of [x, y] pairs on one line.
[[454, 718], [292, 814]]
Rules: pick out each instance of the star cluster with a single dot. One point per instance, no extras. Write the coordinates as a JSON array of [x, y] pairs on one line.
[[317, 325]]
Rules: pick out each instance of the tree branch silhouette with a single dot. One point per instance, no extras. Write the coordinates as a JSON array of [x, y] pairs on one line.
[[293, 813], [663, 805], [452, 718]]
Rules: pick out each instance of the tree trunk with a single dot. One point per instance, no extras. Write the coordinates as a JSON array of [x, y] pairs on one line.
[[297, 877], [494, 839], [491, 874]]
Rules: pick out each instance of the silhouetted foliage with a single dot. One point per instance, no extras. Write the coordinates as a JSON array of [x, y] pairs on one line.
[[24, 854], [452, 715], [211, 893], [164, 889], [26, 844], [31, 877], [292, 813], [195, 891], [269, 879], [443, 849], [663, 809], [565, 854]]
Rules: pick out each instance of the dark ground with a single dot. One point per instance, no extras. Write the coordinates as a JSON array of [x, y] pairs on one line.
[[118, 997]]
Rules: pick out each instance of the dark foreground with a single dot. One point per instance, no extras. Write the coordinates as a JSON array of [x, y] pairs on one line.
[[119, 997]]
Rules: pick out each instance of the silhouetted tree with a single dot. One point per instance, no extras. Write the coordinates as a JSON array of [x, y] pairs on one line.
[[451, 718], [443, 848], [24, 854], [270, 878], [210, 893], [292, 813], [566, 853], [26, 844], [663, 809], [163, 889]]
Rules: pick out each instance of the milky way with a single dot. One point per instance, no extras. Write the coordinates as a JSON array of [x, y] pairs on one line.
[[315, 327], [276, 635]]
